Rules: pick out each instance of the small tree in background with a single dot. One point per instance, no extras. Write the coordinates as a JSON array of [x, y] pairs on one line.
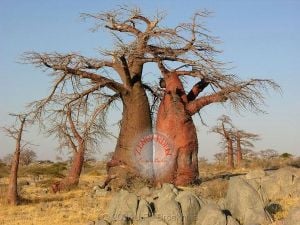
[[77, 130], [27, 156], [225, 129], [16, 132], [220, 157], [243, 140], [268, 154]]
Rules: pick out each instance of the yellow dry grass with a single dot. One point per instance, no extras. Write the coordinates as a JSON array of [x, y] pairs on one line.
[[40, 208]]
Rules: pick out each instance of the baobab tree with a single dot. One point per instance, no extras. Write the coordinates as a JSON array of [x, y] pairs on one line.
[[243, 140], [225, 129], [15, 132], [138, 40], [77, 130]]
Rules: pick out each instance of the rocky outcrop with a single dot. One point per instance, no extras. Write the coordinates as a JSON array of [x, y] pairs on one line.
[[250, 199]]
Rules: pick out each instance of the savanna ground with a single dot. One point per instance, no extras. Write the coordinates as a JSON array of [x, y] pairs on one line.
[[78, 206]]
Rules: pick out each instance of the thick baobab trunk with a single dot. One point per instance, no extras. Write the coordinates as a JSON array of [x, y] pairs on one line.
[[136, 123], [72, 179], [176, 124], [239, 156], [230, 162]]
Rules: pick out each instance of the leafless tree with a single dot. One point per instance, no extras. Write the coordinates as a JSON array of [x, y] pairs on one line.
[[243, 140], [268, 154], [16, 132], [220, 157], [27, 156], [138, 40], [78, 129], [225, 129]]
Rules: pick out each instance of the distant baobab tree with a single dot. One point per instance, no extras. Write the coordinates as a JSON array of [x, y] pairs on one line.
[[244, 140], [225, 129], [235, 140], [78, 131], [16, 132]]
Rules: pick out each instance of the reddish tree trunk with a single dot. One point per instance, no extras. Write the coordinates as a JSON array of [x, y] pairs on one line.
[[12, 193], [239, 156], [230, 161], [176, 124], [136, 123], [72, 179]]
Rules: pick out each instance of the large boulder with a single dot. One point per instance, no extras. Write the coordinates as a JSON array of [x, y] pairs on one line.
[[169, 211], [190, 206], [144, 210], [245, 203], [123, 207], [282, 183], [211, 214]]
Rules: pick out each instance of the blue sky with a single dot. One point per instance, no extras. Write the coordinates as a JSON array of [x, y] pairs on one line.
[[260, 38]]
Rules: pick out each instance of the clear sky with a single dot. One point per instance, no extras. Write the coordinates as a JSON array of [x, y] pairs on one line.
[[260, 37]]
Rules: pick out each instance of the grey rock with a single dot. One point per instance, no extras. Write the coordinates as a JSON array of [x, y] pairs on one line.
[[244, 202], [282, 183], [151, 221], [167, 192], [190, 207], [144, 192], [222, 203], [211, 214], [123, 205], [232, 221], [169, 211], [293, 217], [144, 210]]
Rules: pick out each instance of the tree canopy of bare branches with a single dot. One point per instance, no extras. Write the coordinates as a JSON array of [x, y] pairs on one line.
[[187, 49]]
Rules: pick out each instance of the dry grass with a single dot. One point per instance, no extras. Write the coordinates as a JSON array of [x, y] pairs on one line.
[[41, 208], [287, 204]]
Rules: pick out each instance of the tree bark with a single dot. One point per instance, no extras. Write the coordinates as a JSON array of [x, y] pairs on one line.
[[72, 179], [12, 193], [239, 156], [176, 124], [230, 161], [136, 124]]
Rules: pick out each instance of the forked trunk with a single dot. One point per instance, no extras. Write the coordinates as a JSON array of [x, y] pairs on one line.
[[239, 156], [176, 125], [230, 162], [72, 179], [12, 195], [136, 124]]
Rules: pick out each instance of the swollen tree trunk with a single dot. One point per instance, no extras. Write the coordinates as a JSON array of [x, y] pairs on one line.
[[136, 124], [175, 124], [230, 161], [239, 156], [72, 179], [12, 194]]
